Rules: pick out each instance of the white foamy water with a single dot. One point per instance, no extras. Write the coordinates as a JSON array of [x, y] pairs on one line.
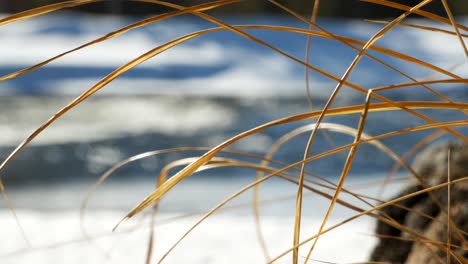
[[56, 235], [105, 118], [56, 238]]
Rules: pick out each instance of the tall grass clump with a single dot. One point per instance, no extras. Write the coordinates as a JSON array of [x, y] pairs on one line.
[[375, 100]]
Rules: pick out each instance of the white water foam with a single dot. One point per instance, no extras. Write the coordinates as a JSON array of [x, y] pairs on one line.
[[106, 117], [229, 236]]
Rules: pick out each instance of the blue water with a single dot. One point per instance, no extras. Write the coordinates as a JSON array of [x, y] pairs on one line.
[[252, 84]]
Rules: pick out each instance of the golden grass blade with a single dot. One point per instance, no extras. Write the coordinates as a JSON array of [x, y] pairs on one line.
[[339, 128], [403, 85], [224, 202], [116, 73], [103, 177], [149, 251], [106, 80], [454, 25], [313, 18], [350, 42], [344, 173], [388, 52], [216, 4], [44, 10], [369, 212], [427, 28], [331, 127], [162, 177], [342, 39], [164, 47], [419, 12], [141, 23], [332, 112], [162, 222], [413, 239], [297, 225], [278, 173], [352, 152], [374, 139], [153, 53]]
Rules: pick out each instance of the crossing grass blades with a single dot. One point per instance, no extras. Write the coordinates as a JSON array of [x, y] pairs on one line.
[[266, 167]]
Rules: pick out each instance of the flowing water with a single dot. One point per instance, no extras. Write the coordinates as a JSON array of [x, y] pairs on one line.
[[197, 94]]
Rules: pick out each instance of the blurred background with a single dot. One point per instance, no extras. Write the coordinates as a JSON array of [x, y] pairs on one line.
[[331, 8], [197, 94], [226, 84]]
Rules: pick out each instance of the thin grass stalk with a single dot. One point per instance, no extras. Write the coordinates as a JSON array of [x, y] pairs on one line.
[[184, 173], [454, 25], [418, 12], [278, 173], [421, 27], [259, 180], [379, 207], [138, 24], [345, 171], [331, 99], [348, 43], [313, 18], [430, 241], [155, 52], [44, 10]]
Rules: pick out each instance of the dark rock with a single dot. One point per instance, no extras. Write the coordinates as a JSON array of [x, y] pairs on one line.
[[427, 216]]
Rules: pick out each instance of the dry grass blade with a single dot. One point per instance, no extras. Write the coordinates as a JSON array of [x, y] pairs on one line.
[[141, 23], [331, 127], [294, 173], [379, 207], [278, 173], [419, 12], [297, 223], [145, 57], [427, 28], [313, 18], [348, 41], [414, 239], [186, 172], [352, 152], [403, 85], [339, 129], [454, 25], [167, 46], [44, 10], [103, 82]]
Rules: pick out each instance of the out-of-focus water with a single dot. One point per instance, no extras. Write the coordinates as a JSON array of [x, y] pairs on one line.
[[199, 93], [57, 235]]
